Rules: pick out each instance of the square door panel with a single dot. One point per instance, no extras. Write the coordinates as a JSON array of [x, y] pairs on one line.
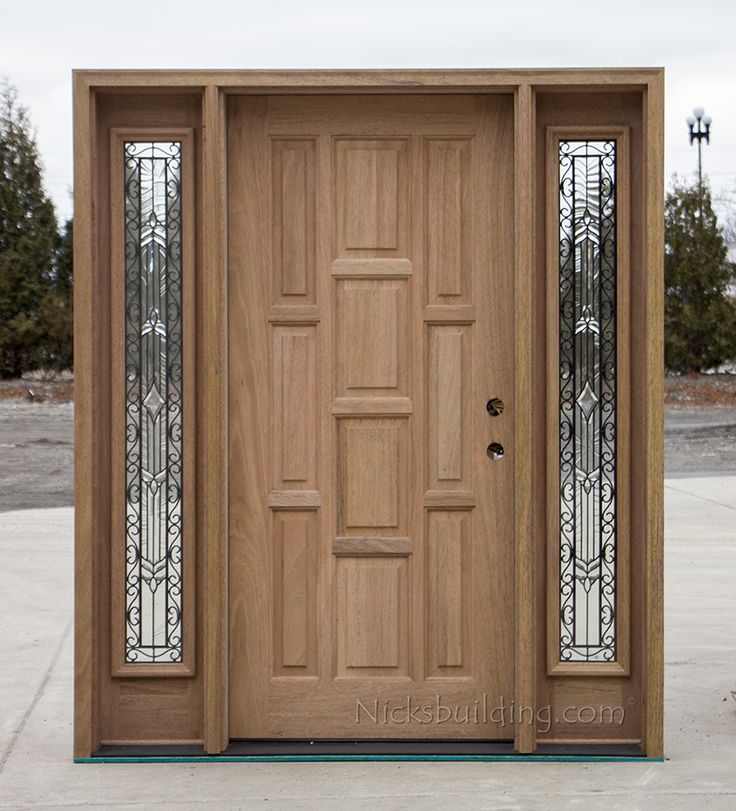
[[373, 476], [371, 197], [372, 337], [372, 604]]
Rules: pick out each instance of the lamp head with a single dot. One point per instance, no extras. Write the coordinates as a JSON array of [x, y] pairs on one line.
[[707, 120], [690, 121], [698, 112]]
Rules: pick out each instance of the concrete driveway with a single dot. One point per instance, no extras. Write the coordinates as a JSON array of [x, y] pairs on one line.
[[36, 769]]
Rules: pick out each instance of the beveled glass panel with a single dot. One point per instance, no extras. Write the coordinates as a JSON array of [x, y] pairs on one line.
[[587, 403], [153, 407]]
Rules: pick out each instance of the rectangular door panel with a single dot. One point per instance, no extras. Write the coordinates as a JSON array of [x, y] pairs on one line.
[[295, 593]]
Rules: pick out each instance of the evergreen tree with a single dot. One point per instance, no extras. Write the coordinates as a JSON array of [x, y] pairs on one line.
[[28, 240], [57, 309], [700, 318]]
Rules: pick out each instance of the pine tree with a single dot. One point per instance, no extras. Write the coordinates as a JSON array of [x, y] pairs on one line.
[[28, 240], [700, 318], [57, 309]]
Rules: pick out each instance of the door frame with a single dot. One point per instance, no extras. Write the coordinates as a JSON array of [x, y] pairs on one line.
[[206, 94]]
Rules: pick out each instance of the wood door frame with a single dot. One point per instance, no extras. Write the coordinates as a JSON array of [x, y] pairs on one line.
[[92, 348]]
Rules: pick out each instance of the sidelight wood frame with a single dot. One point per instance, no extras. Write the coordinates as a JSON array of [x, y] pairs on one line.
[[93, 475]]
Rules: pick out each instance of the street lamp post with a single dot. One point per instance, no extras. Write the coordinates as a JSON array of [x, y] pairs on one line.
[[699, 125]]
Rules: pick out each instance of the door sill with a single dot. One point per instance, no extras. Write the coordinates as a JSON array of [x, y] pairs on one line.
[[346, 750]]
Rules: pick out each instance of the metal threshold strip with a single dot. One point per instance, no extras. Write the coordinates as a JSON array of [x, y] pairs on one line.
[[264, 751]]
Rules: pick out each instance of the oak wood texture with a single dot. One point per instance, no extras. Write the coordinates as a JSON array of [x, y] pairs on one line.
[[169, 710], [408, 523]]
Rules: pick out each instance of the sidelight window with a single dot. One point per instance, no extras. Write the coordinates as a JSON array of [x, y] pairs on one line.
[[154, 369], [587, 400]]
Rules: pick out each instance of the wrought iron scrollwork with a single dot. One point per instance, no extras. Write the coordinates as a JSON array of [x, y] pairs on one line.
[[154, 402], [587, 402]]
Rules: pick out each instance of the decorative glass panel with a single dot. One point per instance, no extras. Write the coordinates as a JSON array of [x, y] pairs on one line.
[[153, 407], [587, 406]]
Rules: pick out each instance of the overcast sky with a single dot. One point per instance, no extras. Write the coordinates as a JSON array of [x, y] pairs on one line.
[[41, 41]]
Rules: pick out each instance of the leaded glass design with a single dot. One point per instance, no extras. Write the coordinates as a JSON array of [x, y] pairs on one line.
[[153, 405], [587, 403]]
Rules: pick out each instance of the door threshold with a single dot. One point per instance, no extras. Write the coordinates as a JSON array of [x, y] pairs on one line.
[[258, 751]]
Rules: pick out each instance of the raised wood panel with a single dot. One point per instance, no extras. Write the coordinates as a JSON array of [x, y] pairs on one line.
[[295, 593], [448, 408], [294, 210], [295, 402], [371, 191], [448, 220], [371, 197], [372, 616], [447, 591], [372, 476], [372, 337]]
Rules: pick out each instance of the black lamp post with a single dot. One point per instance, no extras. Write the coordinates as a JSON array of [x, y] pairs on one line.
[[699, 125]]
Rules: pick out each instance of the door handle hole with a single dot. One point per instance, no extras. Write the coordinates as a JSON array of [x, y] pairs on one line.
[[494, 406], [495, 451]]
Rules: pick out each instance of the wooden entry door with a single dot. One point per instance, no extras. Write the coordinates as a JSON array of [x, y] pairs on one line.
[[370, 321]]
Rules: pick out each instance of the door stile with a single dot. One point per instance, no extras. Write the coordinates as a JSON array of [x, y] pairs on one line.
[[89, 427], [327, 484], [525, 527], [213, 429], [417, 363], [248, 297], [493, 375], [654, 429]]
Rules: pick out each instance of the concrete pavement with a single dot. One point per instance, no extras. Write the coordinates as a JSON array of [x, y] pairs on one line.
[[36, 770]]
